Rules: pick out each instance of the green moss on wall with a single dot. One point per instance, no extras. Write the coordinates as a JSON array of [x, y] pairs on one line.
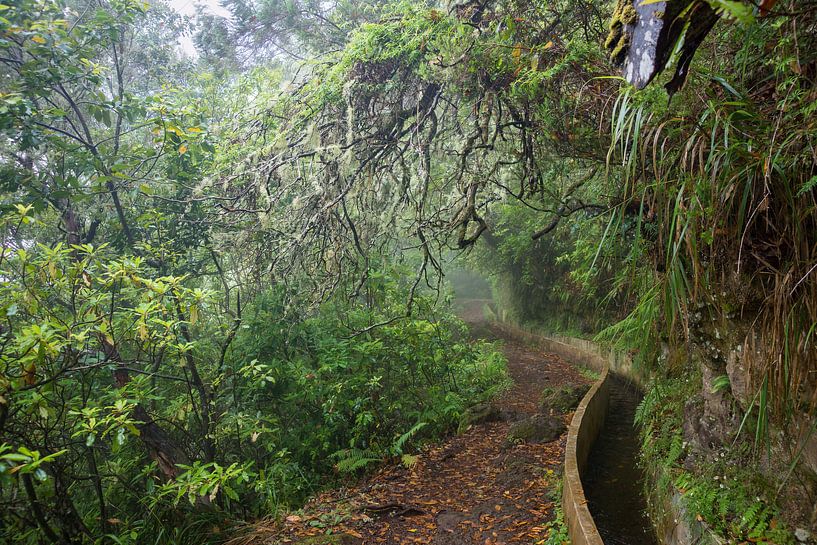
[[618, 39]]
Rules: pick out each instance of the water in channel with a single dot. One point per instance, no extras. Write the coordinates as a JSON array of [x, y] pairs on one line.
[[613, 482]]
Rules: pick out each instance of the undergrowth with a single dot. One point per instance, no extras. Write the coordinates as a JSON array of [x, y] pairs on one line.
[[556, 529], [719, 487], [360, 400]]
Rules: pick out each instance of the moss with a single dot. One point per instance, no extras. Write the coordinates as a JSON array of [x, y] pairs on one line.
[[619, 51], [627, 13], [562, 398], [618, 39], [478, 414], [623, 14], [613, 36]]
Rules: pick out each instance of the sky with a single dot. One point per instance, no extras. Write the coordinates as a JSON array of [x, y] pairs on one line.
[[192, 8]]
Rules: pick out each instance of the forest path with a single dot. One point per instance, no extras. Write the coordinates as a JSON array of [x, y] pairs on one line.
[[472, 488]]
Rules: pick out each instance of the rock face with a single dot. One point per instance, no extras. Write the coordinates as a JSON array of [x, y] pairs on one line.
[[562, 399], [740, 379], [479, 414], [539, 428]]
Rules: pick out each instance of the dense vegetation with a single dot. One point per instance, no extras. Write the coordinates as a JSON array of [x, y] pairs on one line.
[[223, 277]]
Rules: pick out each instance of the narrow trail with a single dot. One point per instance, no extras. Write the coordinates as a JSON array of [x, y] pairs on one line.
[[473, 488]]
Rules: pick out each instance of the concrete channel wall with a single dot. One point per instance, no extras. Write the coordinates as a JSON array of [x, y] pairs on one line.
[[587, 423], [588, 420], [672, 523]]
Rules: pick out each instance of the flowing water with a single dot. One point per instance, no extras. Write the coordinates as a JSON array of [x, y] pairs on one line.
[[613, 482]]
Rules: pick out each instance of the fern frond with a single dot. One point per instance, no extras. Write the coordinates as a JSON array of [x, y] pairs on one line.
[[353, 459], [397, 447]]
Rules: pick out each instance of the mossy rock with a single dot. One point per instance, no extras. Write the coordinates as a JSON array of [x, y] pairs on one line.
[[479, 414], [540, 428], [562, 399], [330, 539]]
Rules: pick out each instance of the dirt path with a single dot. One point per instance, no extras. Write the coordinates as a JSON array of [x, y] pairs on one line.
[[472, 489]]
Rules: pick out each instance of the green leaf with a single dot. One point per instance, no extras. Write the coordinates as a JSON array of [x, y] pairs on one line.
[[741, 11], [720, 384], [808, 186], [96, 112], [725, 84], [15, 457]]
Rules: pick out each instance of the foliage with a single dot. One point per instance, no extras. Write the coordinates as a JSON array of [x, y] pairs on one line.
[[302, 395], [368, 130], [262, 30], [721, 186], [358, 399], [146, 376], [725, 492], [221, 276], [719, 259], [557, 531], [561, 297]]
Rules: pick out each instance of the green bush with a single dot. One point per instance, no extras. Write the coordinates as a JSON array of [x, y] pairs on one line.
[[286, 403], [326, 393]]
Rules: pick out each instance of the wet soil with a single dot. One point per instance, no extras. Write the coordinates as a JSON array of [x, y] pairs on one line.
[[471, 489], [613, 482]]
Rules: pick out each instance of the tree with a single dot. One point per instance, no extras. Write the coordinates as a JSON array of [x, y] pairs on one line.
[[260, 30], [86, 135], [427, 118]]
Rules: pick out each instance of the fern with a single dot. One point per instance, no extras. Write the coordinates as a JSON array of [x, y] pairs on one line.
[[397, 447], [353, 459], [683, 482], [676, 448], [751, 516], [723, 509], [647, 406], [409, 460]]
